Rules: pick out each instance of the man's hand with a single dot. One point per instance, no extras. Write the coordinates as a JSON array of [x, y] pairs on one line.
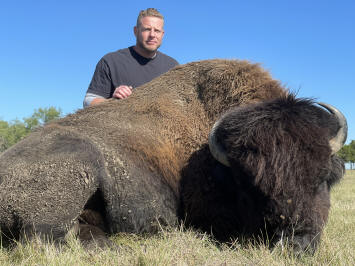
[[122, 92]]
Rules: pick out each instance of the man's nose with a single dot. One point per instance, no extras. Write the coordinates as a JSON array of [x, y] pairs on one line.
[[152, 33]]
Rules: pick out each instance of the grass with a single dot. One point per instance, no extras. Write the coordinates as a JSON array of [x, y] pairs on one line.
[[185, 247]]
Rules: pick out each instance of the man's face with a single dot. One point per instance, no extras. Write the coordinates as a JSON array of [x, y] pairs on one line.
[[149, 33]]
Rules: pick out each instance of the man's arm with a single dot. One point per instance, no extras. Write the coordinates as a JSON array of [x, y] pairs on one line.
[[92, 99], [100, 85], [120, 92]]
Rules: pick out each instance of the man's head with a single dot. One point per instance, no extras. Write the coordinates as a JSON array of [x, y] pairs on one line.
[[149, 32]]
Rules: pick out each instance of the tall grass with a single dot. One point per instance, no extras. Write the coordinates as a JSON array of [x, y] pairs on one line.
[[185, 247]]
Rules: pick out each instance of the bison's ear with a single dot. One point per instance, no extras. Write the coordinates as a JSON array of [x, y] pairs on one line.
[[216, 148], [338, 141]]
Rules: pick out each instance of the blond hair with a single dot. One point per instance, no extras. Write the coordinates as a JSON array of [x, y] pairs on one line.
[[149, 12]]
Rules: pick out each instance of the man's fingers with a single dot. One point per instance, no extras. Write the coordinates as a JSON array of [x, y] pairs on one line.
[[127, 90], [122, 92]]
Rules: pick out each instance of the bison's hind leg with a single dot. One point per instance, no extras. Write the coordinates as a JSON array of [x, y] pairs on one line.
[[91, 230], [47, 179]]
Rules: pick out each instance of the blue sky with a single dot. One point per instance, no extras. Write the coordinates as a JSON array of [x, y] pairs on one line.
[[49, 49]]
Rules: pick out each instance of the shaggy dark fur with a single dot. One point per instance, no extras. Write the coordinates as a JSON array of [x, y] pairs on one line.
[[280, 176], [143, 162]]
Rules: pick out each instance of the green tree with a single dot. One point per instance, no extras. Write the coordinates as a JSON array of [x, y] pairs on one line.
[[347, 153], [14, 131], [352, 153]]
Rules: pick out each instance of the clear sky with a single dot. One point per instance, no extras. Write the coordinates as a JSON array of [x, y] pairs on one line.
[[49, 48]]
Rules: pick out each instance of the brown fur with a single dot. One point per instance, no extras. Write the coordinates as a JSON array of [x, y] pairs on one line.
[[124, 158], [177, 115]]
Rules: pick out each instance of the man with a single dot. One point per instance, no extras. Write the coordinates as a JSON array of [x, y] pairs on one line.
[[118, 73]]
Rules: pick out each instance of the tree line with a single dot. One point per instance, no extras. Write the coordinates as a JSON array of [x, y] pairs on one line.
[[13, 131], [347, 153]]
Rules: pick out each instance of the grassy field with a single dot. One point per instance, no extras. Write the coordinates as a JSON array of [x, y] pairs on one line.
[[179, 247]]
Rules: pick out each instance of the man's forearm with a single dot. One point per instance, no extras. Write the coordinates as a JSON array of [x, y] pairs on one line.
[[97, 101], [92, 99]]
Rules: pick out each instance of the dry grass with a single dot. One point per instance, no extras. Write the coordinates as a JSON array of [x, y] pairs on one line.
[[179, 247]]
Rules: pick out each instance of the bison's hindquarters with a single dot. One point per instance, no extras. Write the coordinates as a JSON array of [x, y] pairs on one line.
[[45, 182]]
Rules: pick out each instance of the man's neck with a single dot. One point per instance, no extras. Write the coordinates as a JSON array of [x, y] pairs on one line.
[[144, 53]]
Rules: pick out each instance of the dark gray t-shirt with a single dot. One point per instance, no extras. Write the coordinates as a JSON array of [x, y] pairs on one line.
[[126, 67]]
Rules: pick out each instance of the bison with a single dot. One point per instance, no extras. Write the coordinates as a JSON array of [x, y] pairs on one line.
[[217, 144]]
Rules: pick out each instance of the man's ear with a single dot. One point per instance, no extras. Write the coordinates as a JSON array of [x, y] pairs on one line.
[[135, 31]]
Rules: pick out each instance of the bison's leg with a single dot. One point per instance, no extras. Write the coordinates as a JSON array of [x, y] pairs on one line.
[[91, 230], [139, 202], [46, 181]]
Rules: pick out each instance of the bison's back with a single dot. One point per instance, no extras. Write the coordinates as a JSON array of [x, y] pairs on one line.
[[171, 116]]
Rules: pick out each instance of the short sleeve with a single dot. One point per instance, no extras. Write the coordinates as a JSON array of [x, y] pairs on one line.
[[101, 82]]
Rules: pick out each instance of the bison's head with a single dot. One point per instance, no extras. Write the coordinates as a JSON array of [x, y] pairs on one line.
[[285, 148], [283, 144]]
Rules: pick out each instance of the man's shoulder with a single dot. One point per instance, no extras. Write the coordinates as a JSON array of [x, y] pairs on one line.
[[119, 54], [167, 58]]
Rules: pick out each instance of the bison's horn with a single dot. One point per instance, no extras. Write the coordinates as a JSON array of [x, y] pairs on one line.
[[338, 141], [216, 149]]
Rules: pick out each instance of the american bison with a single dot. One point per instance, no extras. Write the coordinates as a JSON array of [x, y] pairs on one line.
[[265, 169]]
